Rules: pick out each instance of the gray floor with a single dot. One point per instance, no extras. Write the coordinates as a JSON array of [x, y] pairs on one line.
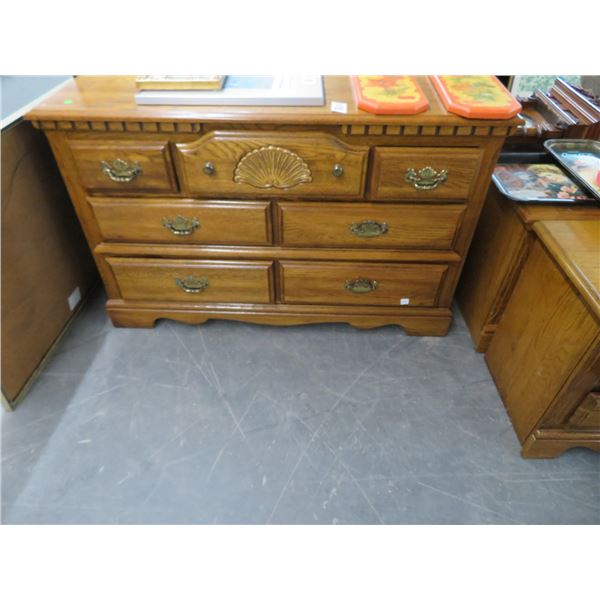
[[237, 423]]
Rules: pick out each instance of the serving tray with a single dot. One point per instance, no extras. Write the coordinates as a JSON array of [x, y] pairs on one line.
[[389, 94], [581, 158], [539, 182], [475, 96]]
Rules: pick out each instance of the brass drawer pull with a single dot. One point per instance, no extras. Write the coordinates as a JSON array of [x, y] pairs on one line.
[[337, 170], [426, 178], [120, 170], [192, 284], [209, 168], [368, 229], [181, 225], [361, 286]]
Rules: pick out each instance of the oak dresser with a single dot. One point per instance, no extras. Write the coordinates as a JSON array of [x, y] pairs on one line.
[[272, 215]]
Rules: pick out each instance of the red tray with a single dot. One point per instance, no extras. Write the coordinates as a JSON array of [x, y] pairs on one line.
[[475, 96], [389, 94]]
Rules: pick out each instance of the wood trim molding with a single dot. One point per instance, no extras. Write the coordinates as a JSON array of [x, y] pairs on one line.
[[427, 130], [180, 127]]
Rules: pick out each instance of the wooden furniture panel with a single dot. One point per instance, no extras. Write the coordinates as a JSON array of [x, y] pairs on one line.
[[363, 284], [311, 164], [543, 331], [369, 225], [497, 253], [192, 280], [274, 164], [454, 173], [545, 354], [499, 249], [145, 166], [44, 256], [183, 221], [587, 415]]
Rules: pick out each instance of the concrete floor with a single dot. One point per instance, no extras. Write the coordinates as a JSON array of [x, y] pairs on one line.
[[235, 423]]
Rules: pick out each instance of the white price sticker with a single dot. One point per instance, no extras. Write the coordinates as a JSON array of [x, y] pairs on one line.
[[404, 301], [339, 107]]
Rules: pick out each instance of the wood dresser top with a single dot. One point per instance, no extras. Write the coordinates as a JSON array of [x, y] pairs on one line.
[[530, 213], [112, 99], [575, 245]]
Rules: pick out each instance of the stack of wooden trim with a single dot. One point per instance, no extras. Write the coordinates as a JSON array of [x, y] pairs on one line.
[[563, 111]]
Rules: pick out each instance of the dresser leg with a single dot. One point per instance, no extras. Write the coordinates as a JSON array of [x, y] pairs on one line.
[[428, 326], [131, 319], [544, 444]]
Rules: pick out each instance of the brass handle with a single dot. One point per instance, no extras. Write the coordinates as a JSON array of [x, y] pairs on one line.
[[426, 178], [181, 225], [368, 229], [361, 286], [209, 168], [337, 170], [192, 285], [120, 170]]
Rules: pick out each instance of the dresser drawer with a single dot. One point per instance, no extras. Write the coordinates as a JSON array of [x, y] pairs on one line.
[[351, 225], [361, 283], [124, 166], [424, 173], [277, 164], [183, 221], [198, 281]]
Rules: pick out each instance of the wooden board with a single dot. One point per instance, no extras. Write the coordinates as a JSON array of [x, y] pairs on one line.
[[389, 94], [44, 255], [476, 96]]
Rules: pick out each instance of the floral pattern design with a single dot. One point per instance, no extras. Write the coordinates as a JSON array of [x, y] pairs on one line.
[[542, 182]]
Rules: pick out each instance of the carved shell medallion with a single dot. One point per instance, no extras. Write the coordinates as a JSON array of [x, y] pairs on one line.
[[272, 167]]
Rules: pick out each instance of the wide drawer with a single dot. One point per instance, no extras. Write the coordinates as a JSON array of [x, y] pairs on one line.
[[424, 173], [197, 281], [274, 164], [386, 284], [183, 221], [304, 224], [124, 166]]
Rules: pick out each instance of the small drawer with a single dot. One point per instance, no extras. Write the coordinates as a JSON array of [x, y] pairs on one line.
[[351, 225], [124, 166], [424, 173], [587, 415], [198, 281], [183, 221], [277, 164], [401, 284]]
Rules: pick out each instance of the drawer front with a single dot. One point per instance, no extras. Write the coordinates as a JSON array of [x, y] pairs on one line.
[[124, 166], [369, 225], [424, 173], [241, 164], [587, 415], [361, 283], [183, 221], [198, 281]]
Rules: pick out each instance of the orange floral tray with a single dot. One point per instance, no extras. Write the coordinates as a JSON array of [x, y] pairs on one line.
[[475, 96], [389, 94]]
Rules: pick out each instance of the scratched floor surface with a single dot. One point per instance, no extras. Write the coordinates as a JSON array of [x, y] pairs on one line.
[[237, 423]]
